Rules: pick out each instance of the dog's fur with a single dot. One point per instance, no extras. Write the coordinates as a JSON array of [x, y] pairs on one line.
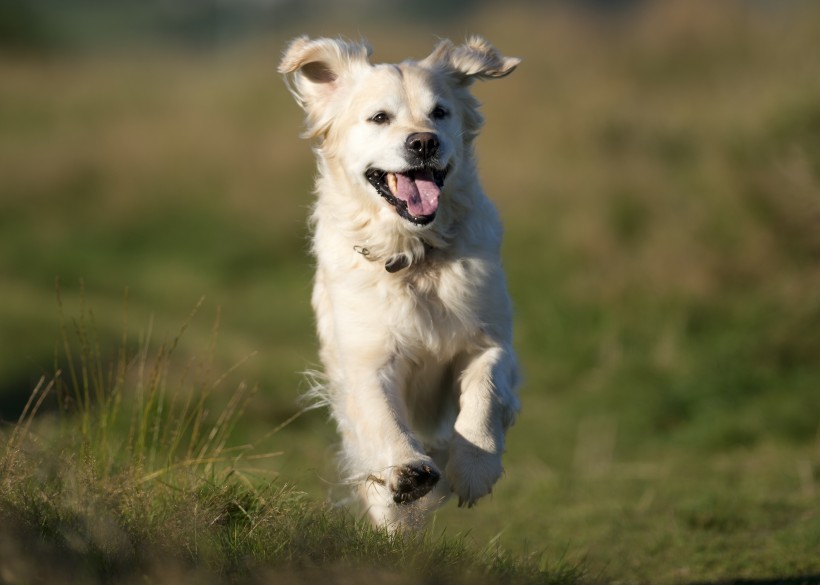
[[412, 310]]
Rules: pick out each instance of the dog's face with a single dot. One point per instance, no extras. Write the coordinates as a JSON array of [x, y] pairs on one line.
[[398, 131], [400, 134]]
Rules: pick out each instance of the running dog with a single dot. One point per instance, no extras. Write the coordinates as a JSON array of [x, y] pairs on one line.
[[412, 310]]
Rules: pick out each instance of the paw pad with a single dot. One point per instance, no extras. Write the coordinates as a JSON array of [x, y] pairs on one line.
[[413, 482]]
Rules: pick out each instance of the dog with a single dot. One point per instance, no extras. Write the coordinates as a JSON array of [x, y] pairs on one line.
[[412, 310]]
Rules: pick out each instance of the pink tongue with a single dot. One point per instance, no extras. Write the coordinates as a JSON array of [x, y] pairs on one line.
[[420, 192]]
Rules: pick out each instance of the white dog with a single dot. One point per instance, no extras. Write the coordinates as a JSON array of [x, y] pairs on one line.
[[412, 309]]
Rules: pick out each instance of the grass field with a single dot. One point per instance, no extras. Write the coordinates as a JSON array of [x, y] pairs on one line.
[[658, 174]]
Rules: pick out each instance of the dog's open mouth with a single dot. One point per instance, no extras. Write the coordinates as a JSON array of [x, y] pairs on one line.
[[413, 193]]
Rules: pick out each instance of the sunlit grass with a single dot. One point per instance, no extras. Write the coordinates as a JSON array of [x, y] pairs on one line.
[[659, 181], [137, 478]]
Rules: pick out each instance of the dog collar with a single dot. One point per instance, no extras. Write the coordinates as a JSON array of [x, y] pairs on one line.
[[393, 263]]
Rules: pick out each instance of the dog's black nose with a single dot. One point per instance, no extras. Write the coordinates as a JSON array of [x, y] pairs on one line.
[[424, 145]]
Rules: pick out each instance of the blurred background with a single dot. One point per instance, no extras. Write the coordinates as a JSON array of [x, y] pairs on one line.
[[657, 167]]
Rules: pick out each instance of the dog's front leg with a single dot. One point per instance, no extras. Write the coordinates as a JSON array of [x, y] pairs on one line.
[[488, 405], [382, 453]]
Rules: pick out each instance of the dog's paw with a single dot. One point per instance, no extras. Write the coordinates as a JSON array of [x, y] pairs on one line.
[[413, 481], [472, 472]]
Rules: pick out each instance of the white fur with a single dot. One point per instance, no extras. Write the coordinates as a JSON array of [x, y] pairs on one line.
[[419, 363]]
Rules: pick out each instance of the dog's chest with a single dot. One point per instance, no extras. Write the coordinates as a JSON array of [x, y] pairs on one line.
[[439, 310]]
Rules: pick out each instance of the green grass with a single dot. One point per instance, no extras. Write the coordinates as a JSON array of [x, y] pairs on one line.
[[659, 180], [136, 479]]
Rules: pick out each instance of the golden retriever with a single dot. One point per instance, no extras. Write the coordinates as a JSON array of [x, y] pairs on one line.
[[412, 310]]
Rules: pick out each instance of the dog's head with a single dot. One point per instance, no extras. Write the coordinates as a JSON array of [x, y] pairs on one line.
[[398, 131]]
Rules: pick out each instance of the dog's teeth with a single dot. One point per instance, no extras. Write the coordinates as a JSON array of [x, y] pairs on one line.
[[392, 183]]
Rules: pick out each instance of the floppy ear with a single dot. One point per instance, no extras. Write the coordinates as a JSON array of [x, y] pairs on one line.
[[475, 59], [314, 71]]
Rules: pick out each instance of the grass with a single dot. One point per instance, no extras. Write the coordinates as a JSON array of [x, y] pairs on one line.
[[659, 179], [165, 498]]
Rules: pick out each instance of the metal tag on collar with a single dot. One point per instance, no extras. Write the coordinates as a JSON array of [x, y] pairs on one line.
[[396, 263]]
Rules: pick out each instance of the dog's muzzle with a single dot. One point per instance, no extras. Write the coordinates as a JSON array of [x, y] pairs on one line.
[[414, 193]]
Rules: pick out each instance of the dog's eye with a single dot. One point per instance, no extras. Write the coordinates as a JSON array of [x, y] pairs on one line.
[[380, 118], [439, 113]]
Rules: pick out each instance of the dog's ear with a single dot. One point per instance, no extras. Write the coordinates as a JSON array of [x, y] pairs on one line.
[[314, 70], [475, 59]]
